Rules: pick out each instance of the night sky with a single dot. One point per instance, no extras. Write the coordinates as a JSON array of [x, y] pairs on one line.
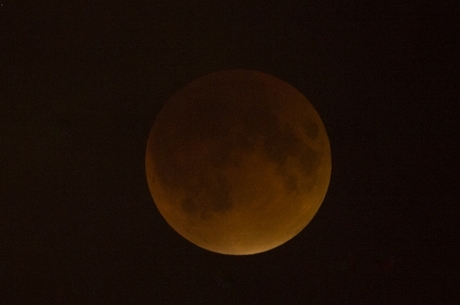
[[81, 85]]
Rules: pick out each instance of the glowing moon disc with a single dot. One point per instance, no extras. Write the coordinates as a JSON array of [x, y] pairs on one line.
[[238, 162]]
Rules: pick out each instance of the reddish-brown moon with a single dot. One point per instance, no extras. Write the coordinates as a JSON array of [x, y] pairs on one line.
[[238, 162]]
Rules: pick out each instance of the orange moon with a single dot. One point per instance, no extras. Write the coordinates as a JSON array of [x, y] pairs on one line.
[[238, 162]]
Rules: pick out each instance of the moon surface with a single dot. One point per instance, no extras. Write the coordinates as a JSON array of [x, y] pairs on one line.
[[238, 162]]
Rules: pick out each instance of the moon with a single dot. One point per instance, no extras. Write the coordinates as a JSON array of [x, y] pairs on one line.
[[238, 162]]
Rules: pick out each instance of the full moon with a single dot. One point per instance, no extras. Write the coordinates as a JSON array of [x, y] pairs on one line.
[[238, 162]]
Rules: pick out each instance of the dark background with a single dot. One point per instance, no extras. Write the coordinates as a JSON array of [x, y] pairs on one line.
[[81, 85]]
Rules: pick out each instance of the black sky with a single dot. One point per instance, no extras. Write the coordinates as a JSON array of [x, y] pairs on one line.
[[81, 85]]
